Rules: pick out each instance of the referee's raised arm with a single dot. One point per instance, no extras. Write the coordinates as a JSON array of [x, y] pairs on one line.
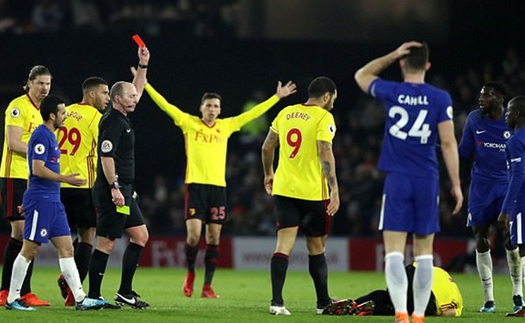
[[139, 73]]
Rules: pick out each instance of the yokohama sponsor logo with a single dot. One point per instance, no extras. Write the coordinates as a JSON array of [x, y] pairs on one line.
[[494, 145]]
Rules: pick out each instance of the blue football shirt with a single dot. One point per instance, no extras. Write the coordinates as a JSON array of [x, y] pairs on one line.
[[515, 158], [484, 140], [413, 112], [43, 146]]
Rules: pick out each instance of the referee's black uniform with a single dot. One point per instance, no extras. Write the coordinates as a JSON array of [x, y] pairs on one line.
[[116, 140]]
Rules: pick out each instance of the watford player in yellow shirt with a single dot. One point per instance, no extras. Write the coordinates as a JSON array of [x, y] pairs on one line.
[[304, 186], [205, 180], [445, 299], [78, 138], [22, 117]]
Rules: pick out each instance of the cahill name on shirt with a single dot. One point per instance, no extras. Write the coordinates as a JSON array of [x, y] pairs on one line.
[[412, 100]]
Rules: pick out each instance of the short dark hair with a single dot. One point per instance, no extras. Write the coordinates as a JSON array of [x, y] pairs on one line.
[[92, 82], [418, 57], [35, 71], [49, 105], [320, 85], [211, 95], [498, 86], [519, 103]]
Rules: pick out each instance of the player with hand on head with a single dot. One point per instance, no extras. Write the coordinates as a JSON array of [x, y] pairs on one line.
[[417, 114], [45, 217], [483, 141]]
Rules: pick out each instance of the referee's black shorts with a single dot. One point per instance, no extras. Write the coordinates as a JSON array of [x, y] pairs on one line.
[[112, 221]]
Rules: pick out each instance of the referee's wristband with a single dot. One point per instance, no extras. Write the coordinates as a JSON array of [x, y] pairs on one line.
[[143, 66]]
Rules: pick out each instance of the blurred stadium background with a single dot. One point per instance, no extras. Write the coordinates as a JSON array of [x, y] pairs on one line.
[[240, 48]]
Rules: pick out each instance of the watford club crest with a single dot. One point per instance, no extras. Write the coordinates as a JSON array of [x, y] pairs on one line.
[[192, 212]]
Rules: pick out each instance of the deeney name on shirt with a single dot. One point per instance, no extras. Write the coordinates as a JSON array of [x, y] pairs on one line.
[[412, 100], [298, 115]]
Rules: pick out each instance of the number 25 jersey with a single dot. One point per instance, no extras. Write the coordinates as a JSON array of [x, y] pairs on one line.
[[299, 173], [77, 139], [413, 112]]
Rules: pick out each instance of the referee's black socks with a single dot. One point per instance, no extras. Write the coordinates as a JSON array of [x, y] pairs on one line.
[[130, 262]]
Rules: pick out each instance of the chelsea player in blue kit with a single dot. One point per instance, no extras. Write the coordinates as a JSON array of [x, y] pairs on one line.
[[416, 115], [45, 218], [514, 204], [483, 141]]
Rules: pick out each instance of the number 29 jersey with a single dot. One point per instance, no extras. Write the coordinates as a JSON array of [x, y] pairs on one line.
[[413, 112], [299, 173], [77, 139]]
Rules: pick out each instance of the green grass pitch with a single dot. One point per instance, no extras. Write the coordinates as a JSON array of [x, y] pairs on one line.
[[245, 297]]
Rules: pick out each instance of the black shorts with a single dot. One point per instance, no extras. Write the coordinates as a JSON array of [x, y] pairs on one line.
[[80, 211], [110, 222], [310, 216], [12, 190], [205, 202]]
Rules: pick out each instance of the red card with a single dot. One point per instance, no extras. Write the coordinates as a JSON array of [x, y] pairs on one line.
[[138, 40]]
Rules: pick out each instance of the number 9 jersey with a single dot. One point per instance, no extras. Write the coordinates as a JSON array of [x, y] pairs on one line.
[[77, 139], [413, 114], [299, 173]]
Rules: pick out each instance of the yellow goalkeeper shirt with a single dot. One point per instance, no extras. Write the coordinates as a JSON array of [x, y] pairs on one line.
[[206, 147]]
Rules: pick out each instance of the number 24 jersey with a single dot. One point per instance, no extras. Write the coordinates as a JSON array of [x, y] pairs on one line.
[[413, 112]]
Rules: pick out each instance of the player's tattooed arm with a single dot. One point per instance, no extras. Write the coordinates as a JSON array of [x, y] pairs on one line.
[[327, 159]]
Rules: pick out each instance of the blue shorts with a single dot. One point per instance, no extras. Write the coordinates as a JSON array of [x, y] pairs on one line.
[[44, 220], [484, 202], [410, 204], [517, 229]]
